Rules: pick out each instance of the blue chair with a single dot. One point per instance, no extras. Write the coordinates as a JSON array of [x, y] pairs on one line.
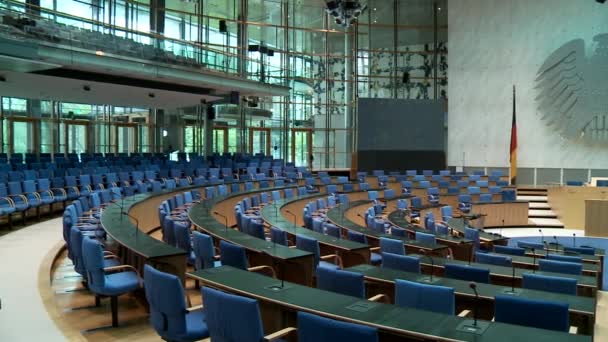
[[339, 281], [549, 283], [332, 230], [392, 246], [311, 245], [278, 236], [434, 298], [375, 258], [446, 213], [372, 195], [204, 251], [401, 262], [75, 250], [389, 194], [473, 234], [509, 250], [560, 266], [427, 239], [168, 313], [601, 183], [464, 203], [433, 196], [19, 201], [312, 328], [183, 240], [493, 259], [398, 232], [567, 258], [575, 183], [7, 206], [235, 256], [533, 313], [245, 323], [468, 273], [485, 198], [580, 250], [107, 284], [527, 244]]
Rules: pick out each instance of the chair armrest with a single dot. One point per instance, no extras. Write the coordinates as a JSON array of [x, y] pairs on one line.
[[374, 249], [379, 297], [194, 308], [123, 267], [110, 256], [258, 269], [75, 188], [37, 195], [573, 330], [9, 200], [464, 313], [19, 196], [336, 257], [281, 333]]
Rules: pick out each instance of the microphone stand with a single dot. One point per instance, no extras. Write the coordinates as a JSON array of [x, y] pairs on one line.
[[533, 261], [546, 249], [503, 223], [573, 239], [424, 253], [512, 290], [556, 243], [473, 326], [294, 219], [542, 237], [274, 266], [225, 220], [124, 213]]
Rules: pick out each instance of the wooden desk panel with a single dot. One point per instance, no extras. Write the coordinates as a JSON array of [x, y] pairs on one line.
[[568, 203], [507, 213], [596, 218]]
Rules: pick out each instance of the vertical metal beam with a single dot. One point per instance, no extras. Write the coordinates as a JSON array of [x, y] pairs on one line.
[[327, 92], [242, 70], [395, 43], [287, 77], [349, 95]]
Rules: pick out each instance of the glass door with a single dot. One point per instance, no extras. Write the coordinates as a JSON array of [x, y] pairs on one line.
[[126, 138], [259, 140], [75, 136], [220, 139], [301, 146], [21, 135]]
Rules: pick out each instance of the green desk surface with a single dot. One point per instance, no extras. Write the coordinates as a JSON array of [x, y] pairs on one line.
[[507, 272], [272, 214], [200, 216], [336, 216], [119, 227], [399, 220], [519, 259], [458, 225], [386, 317], [599, 253], [580, 304]]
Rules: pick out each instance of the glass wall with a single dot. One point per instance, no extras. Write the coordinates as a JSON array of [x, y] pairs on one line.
[[397, 49]]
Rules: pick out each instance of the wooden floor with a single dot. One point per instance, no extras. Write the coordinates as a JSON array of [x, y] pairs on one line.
[[72, 308]]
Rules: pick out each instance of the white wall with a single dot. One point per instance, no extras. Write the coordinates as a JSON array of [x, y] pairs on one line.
[[495, 44]]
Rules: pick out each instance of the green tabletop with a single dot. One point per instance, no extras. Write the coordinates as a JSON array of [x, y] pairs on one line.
[[200, 216], [386, 317], [458, 225], [580, 304], [336, 216], [507, 272], [398, 219], [529, 260], [119, 227], [272, 214]]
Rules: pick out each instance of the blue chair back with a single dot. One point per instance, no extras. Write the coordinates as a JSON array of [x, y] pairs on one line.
[[425, 297], [313, 328], [427, 239], [493, 259], [202, 245], [560, 266], [580, 250], [339, 281], [278, 236], [534, 313], [468, 273], [392, 246], [509, 250], [245, 323], [567, 258], [549, 283], [401, 262], [233, 255]]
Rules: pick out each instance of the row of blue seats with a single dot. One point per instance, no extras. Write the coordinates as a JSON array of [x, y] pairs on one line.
[[429, 173], [473, 179]]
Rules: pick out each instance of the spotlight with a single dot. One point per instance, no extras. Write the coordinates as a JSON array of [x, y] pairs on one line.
[[151, 95], [2, 78], [86, 88], [600, 1]]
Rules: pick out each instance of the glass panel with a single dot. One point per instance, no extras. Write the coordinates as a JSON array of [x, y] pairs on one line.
[[46, 136], [77, 138], [22, 137], [126, 139]]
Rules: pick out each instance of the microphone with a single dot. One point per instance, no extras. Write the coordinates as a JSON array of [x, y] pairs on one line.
[[556, 243], [512, 290], [542, 237], [473, 287], [294, 219], [124, 213], [546, 249], [573, 239], [424, 253], [225, 220]]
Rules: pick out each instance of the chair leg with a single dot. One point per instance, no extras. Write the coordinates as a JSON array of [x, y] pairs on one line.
[[114, 305], [24, 217], [10, 221], [38, 212], [97, 298]]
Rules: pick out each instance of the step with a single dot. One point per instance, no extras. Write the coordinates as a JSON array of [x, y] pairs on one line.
[[546, 222], [531, 193], [542, 213], [532, 198], [539, 206]]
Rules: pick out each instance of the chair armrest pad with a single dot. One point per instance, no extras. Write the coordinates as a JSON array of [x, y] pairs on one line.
[[261, 268], [194, 308], [379, 297], [281, 333]]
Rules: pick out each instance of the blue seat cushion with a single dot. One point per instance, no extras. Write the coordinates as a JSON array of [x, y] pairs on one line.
[[194, 329], [376, 259], [120, 282], [7, 211], [21, 206], [111, 262], [329, 265]]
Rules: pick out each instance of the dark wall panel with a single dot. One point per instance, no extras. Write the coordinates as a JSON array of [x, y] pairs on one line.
[[396, 134]]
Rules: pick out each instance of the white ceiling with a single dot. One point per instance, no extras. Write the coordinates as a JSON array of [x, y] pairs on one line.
[[43, 87]]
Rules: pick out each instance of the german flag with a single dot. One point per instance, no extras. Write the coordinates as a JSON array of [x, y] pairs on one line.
[[513, 150]]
